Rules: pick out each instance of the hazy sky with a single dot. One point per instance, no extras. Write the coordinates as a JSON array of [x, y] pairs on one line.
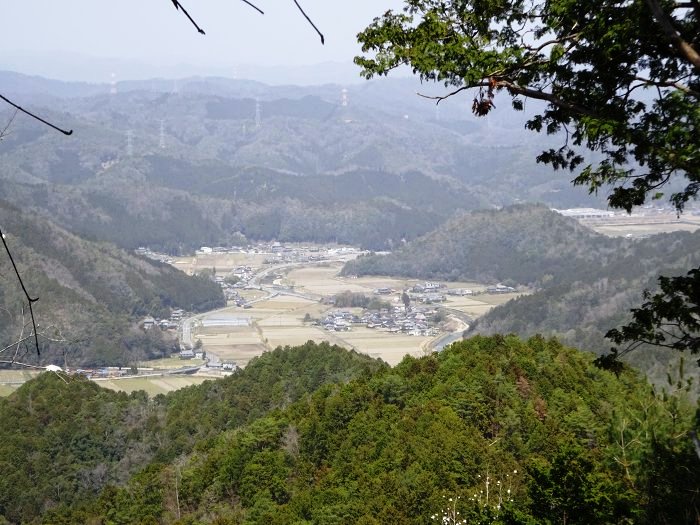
[[152, 31]]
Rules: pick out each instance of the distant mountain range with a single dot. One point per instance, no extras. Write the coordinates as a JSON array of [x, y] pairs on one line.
[[371, 166]]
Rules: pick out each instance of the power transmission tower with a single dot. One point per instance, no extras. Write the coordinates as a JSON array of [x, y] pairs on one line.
[[258, 114], [162, 134], [130, 143]]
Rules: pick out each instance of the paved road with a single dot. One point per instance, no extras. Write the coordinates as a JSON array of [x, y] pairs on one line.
[[441, 342], [256, 282]]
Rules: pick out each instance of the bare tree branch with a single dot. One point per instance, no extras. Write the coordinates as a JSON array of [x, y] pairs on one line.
[[19, 363], [178, 6], [323, 40], [3, 133], [668, 83], [519, 90], [30, 299], [20, 108], [253, 6], [683, 47]]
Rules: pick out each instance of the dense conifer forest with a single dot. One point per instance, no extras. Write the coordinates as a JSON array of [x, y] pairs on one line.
[[504, 430]]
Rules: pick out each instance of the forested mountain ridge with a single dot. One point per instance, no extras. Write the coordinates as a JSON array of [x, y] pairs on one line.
[[584, 283], [62, 443], [92, 294], [521, 432], [307, 161], [580, 308], [523, 244]]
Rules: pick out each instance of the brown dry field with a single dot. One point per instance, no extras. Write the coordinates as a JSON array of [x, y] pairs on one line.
[[152, 385], [390, 347], [241, 353], [6, 390], [637, 230], [223, 262], [278, 321], [645, 225]]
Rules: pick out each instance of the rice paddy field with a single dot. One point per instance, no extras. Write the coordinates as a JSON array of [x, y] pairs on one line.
[[279, 320], [223, 262], [11, 380]]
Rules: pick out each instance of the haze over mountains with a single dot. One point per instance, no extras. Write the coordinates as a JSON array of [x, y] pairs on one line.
[[318, 434], [175, 165], [385, 156]]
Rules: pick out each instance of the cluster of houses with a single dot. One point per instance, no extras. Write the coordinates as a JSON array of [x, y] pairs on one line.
[[430, 292], [172, 323], [231, 289], [101, 372], [192, 353], [426, 293], [280, 250], [500, 288], [397, 319], [160, 257]]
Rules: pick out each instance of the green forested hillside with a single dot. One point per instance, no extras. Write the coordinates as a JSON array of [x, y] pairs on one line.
[[91, 294], [523, 244], [585, 283], [501, 430], [583, 305], [64, 443]]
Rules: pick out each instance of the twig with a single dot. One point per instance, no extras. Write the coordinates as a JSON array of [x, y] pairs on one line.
[[20, 108], [27, 365], [9, 123], [30, 299], [178, 6], [253, 6], [18, 342], [323, 40], [440, 98], [21, 339]]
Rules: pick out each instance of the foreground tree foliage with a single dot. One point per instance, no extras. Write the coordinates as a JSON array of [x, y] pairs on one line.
[[62, 444], [619, 78], [512, 431], [669, 318]]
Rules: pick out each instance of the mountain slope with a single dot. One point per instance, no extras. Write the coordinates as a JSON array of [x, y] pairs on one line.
[[585, 283], [580, 308], [64, 443], [521, 432], [203, 150], [91, 294], [523, 244]]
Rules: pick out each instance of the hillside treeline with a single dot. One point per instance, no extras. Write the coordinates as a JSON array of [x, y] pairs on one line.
[[91, 295], [312, 170], [584, 283], [523, 244], [500, 430]]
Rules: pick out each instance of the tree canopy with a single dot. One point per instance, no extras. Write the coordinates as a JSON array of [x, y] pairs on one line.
[[617, 78]]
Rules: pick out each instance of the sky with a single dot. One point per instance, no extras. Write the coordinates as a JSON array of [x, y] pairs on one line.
[[152, 32]]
